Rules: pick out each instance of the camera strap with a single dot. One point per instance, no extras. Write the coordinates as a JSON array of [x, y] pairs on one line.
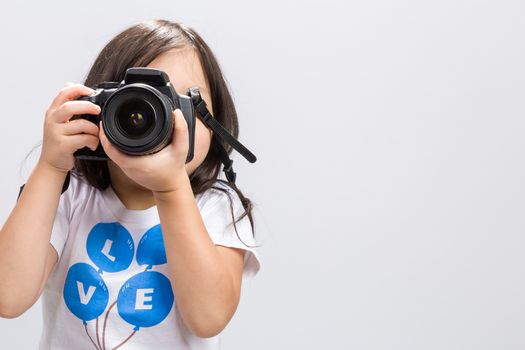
[[219, 132]]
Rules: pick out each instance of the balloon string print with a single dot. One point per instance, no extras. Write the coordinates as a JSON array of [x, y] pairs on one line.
[[85, 326], [124, 342], [98, 339], [144, 300], [105, 322]]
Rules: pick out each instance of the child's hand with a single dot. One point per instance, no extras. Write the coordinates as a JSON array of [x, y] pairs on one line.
[[163, 171], [63, 137]]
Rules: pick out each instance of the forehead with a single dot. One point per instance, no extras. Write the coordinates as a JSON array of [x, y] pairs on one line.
[[183, 68]]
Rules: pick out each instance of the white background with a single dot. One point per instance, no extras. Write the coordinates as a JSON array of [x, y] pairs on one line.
[[389, 181]]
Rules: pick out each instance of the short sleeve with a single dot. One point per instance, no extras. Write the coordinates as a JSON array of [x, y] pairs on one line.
[[217, 217], [60, 229]]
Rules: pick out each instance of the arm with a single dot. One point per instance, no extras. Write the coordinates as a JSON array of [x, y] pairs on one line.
[[26, 257], [24, 244], [206, 279]]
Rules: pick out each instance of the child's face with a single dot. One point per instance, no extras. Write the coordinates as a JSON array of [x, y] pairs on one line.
[[184, 70]]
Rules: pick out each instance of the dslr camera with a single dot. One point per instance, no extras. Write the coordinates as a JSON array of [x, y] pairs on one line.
[[136, 113]]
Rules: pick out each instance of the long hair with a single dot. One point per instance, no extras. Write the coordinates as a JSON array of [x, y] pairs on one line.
[[139, 45]]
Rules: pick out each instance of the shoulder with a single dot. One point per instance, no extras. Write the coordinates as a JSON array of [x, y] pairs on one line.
[[221, 186], [221, 205], [219, 193], [77, 190], [78, 185]]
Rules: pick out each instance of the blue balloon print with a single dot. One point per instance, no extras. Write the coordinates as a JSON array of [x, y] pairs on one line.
[[85, 293], [110, 246], [145, 299], [150, 249]]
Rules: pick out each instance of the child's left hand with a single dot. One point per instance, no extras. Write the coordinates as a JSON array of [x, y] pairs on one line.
[[162, 171]]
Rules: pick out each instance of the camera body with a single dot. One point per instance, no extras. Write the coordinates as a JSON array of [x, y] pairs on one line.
[[136, 113]]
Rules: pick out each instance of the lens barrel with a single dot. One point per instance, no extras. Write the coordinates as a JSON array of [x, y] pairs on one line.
[[138, 120]]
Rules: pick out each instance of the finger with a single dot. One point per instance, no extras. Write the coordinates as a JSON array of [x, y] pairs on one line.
[[112, 152], [70, 92], [71, 108], [180, 130], [78, 141], [79, 126], [180, 122]]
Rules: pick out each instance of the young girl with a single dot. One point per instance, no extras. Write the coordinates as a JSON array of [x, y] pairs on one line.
[[87, 234]]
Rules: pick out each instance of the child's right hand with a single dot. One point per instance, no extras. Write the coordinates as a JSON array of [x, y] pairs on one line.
[[63, 137]]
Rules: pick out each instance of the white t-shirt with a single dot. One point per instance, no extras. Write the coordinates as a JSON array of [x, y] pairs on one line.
[[111, 284]]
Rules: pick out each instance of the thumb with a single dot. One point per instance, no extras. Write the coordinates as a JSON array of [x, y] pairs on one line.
[[180, 122], [180, 132]]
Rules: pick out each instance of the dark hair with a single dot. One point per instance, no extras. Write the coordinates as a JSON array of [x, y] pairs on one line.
[[137, 46]]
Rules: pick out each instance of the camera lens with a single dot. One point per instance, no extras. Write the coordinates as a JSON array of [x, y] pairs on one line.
[[135, 118]]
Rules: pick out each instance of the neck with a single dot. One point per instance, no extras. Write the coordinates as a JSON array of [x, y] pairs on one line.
[[133, 196]]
